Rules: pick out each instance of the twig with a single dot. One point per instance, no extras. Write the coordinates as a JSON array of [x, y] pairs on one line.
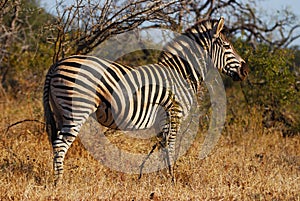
[[22, 121]]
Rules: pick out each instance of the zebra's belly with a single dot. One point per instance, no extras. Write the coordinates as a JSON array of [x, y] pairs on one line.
[[144, 119]]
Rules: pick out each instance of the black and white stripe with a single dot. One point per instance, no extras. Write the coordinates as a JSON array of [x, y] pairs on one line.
[[129, 98]]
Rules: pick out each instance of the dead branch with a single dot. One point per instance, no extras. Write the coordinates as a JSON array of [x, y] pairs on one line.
[[23, 121], [243, 19], [84, 25]]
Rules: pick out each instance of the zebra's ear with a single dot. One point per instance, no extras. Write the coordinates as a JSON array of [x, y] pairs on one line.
[[218, 27]]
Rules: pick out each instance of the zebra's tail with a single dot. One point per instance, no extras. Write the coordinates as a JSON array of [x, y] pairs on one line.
[[48, 114]]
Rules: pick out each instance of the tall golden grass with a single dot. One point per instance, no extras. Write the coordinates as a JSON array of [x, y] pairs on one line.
[[250, 162]]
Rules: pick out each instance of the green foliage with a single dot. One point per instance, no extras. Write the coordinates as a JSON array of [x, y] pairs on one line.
[[27, 53], [27, 69], [129, 50], [140, 57], [271, 84]]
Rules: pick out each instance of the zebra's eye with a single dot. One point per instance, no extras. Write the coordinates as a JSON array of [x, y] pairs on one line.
[[226, 46]]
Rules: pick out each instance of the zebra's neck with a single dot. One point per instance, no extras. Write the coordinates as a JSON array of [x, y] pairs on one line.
[[188, 54]]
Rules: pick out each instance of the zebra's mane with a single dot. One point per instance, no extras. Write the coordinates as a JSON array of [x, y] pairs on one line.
[[208, 24], [197, 33]]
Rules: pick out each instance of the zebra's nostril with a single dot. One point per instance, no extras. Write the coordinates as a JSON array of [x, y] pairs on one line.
[[244, 69]]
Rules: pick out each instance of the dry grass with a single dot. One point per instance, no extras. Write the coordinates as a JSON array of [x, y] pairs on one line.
[[249, 163]]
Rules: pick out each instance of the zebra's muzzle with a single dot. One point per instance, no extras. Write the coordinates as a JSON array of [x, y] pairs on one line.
[[243, 71]]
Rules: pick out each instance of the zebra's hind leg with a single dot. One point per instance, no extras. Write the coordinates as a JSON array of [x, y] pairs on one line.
[[168, 159], [60, 147]]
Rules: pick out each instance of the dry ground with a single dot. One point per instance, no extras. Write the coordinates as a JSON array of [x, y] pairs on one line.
[[249, 163]]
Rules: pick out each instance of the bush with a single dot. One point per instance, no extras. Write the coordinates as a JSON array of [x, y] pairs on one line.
[[272, 85]]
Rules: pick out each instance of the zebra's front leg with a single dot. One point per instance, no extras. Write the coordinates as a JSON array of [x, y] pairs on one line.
[[60, 147]]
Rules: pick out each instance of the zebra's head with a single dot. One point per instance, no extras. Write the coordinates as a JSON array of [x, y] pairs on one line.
[[223, 54]]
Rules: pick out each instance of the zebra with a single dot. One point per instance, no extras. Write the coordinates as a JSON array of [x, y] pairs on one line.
[[79, 86]]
